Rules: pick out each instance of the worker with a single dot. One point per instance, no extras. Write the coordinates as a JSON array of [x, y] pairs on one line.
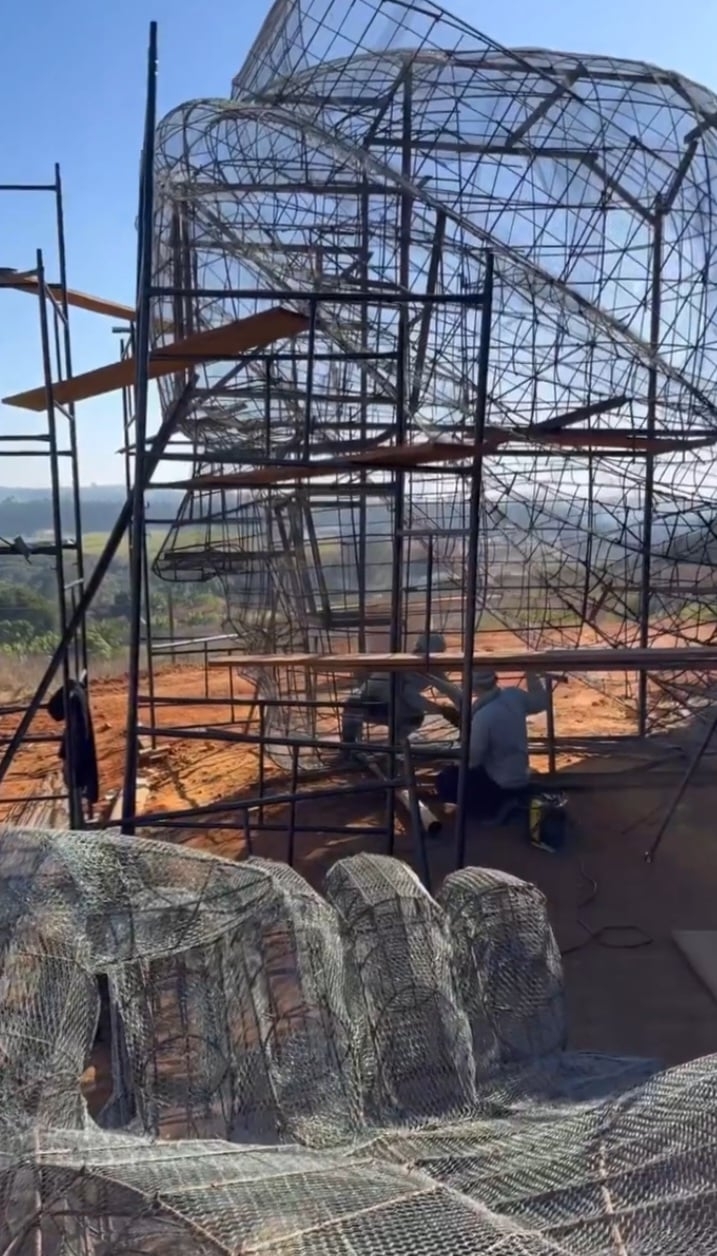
[[370, 704], [498, 765]]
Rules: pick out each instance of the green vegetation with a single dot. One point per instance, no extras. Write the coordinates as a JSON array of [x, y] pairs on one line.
[[28, 589], [29, 609]]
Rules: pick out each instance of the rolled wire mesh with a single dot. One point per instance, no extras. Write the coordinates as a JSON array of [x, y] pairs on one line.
[[509, 974], [227, 1036], [49, 1008]]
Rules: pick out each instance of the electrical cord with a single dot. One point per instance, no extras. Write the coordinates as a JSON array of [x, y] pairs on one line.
[[601, 936]]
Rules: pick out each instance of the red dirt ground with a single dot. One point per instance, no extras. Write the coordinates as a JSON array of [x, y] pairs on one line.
[[633, 998], [190, 773]]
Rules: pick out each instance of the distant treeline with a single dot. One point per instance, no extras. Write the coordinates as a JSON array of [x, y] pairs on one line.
[[28, 516]]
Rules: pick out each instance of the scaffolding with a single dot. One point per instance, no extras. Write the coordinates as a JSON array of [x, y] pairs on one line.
[[499, 417], [57, 443]]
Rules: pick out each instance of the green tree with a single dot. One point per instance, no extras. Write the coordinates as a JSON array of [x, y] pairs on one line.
[[19, 602]]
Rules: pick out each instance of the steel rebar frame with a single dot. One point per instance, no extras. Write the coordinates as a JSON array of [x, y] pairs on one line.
[[137, 553], [189, 293], [184, 293], [56, 357]]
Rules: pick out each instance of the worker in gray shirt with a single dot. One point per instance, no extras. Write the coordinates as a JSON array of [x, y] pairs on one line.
[[498, 765], [370, 704]]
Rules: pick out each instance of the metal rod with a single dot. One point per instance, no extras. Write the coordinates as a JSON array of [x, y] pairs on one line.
[[262, 750], [362, 546], [649, 490], [291, 835], [405, 207], [141, 394], [428, 621], [550, 723], [27, 187], [94, 581], [72, 424], [73, 802], [269, 800], [469, 625], [381, 295], [149, 654], [680, 791], [419, 832]]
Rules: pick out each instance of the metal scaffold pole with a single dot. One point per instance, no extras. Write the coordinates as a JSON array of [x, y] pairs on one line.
[[649, 488], [141, 393], [56, 357], [74, 803], [471, 590], [71, 419]]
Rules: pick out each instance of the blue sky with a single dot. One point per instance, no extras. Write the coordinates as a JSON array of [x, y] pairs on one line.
[[72, 90]]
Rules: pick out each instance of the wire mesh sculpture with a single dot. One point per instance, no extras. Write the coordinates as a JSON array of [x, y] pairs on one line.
[[518, 1154], [413, 1036], [372, 152], [245, 1006]]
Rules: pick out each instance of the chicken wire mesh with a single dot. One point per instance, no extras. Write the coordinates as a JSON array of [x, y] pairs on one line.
[[389, 1072], [246, 1006], [627, 1175], [371, 152], [122, 1196]]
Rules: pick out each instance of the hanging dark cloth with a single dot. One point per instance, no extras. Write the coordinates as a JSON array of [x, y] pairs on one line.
[[79, 731]]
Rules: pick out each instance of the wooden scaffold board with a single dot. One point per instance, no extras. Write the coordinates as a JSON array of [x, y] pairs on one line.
[[694, 658]]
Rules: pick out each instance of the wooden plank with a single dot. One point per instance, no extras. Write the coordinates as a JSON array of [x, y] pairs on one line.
[[428, 453], [699, 948], [219, 343], [51, 814], [143, 792], [80, 300], [696, 658]]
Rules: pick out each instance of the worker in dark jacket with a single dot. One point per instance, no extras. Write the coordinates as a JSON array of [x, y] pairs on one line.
[[370, 704]]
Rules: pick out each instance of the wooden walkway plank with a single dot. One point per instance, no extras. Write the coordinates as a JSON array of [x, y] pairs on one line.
[[218, 344]]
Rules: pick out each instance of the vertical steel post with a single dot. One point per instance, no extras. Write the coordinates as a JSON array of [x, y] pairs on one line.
[[142, 349], [94, 580], [74, 805], [550, 721], [469, 622], [148, 646], [402, 393], [362, 547], [645, 592], [74, 455]]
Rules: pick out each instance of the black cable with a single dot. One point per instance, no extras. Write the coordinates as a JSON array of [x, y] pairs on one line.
[[601, 935]]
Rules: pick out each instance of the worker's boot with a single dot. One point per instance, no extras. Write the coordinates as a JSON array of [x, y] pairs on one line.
[[352, 720]]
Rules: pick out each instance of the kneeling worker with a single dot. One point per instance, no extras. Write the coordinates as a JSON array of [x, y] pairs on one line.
[[498, 753], [371, 703]]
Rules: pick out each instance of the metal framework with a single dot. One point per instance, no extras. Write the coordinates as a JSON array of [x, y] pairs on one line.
[[485, 404], [57, 444], [393, 175]]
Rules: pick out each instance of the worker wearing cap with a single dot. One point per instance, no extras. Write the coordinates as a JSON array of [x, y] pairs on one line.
[[371, 703], [498, 761]]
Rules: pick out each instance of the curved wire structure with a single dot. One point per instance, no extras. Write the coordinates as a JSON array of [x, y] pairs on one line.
[[370, 158], [370, 1070]]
